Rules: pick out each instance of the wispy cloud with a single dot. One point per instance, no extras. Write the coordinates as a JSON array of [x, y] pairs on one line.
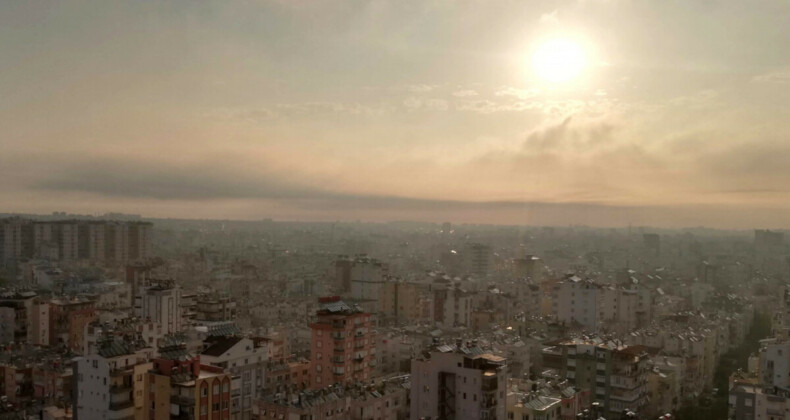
[[778, 77], [464, 93], [518, 93]]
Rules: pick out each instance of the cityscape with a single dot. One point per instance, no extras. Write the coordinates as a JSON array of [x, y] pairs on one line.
[[123, 317], [394, 210]]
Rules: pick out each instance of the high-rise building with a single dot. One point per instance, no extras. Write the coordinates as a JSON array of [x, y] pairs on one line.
[[615, 375], [456, 382], [343, 344], [11, 240], [73, 240], [161, 303], [367, 277], [575, 302], [215, 307], [530, 267], [478, 259]]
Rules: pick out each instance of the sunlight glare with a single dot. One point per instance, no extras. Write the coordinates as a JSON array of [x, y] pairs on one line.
[[559, 60]]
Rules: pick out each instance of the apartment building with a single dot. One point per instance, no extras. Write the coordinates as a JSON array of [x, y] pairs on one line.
[[214, 308], [382, 400], [575, 302], [245, 360], [104, 382], [179, 386], [614, 374], [160, 302], [72, 240], [452, 306], [458, 382], [343, 344]]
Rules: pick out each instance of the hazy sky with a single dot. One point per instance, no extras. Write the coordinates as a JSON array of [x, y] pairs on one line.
[[403, 109]]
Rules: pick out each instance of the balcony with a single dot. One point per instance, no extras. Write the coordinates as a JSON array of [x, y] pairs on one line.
[[118, 389], [118, 406], [626, 397], [121, 372], [182, 400]]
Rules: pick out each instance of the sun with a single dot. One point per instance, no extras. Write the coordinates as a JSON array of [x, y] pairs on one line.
[[559, 60]]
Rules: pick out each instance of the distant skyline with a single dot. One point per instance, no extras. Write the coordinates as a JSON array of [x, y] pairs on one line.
[[425, 110]]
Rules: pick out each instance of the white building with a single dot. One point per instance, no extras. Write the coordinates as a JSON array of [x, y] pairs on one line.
[[454, 382], [245, 361], [161, 303], [105, 381], [576, 301], [775, 363], [453, 307]]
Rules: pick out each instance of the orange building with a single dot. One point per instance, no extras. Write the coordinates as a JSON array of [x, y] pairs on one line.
[[67, 321], [180, 386]]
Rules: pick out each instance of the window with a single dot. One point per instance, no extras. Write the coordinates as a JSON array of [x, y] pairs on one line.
[[215, 407]]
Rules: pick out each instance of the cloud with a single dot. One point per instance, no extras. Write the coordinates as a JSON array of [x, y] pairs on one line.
[[571, 137], [205, 180], [550, 18], [430, 104], [464, 93], [421, 88], [778, 77], [518, 93], [293, 110]]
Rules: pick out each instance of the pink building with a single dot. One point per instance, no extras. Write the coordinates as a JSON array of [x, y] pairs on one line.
[[343, 347]]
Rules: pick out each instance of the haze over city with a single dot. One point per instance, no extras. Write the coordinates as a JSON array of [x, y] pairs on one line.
[[604, 113], [394, 210]]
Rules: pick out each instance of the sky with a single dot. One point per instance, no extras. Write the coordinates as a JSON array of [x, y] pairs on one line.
[[373, 110]]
